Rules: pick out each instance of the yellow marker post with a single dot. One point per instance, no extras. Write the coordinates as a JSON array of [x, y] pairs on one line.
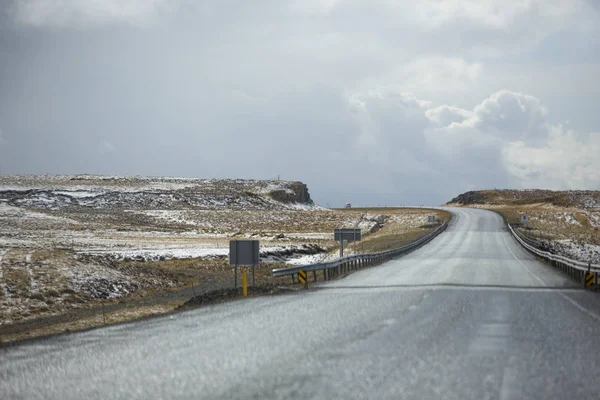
[[244, 284], [303, 278], [589, 279]]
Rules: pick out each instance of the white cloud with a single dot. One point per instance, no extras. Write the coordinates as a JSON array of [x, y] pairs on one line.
[[445, 115], [431, 76], [504, 116], [493, 27], [562, 162], [279, 76], [506, 139], [60, 13], [513, 128]]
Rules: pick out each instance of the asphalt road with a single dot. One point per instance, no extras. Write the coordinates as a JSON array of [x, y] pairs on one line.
[[468, 316]]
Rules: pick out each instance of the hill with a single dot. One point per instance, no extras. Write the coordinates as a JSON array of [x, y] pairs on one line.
[[71, 245], [59, 192], [582, 199], [564, 222]]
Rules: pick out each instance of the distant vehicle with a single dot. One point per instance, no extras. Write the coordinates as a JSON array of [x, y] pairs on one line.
[[348, 205]]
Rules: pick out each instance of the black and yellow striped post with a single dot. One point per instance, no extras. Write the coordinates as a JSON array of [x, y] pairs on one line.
[[302, 277], [590, 279]]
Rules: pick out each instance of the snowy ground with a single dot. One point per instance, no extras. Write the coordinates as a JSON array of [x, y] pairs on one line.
[[66, 242], [568, 231]]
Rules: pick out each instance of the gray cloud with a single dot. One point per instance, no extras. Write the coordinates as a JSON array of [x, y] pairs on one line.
[[368, 102], [65, 13]]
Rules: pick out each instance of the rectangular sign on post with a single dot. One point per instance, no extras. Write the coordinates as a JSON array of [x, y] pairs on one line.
[[349, 234], [244, 252]]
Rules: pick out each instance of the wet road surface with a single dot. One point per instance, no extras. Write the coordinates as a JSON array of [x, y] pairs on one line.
[[468, 316]]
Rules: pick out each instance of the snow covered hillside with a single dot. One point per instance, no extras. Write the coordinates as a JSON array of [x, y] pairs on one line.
[[135, 193]]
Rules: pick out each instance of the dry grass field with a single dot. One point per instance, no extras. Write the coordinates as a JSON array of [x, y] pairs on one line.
[[568, 222], [73, 249]]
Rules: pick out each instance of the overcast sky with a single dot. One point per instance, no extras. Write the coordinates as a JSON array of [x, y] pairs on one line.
[[371, 102]]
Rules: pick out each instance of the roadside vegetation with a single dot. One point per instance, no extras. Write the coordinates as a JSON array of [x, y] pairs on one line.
[[565, 222], [84, 251]]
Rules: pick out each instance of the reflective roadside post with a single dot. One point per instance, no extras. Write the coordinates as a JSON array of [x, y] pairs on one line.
[[244, 284]]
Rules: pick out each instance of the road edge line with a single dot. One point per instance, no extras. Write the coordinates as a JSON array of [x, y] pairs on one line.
[[523, 264], [570, 300]]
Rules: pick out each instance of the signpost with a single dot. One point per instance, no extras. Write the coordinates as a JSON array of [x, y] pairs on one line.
[[349, 234], [243, 252], [589, 277]]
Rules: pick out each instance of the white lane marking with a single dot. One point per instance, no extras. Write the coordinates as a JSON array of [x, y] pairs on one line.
[[580, 307], [522, 263], [509, 379], [570, 300]]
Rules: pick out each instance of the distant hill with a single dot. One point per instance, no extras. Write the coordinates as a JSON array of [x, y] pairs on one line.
[[71, 192], [583, 199]]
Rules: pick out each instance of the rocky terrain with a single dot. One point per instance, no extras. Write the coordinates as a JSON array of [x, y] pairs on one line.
[[582, 199], [68, 243], [563, 222]]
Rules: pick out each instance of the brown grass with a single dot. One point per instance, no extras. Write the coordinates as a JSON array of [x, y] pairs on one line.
[[173, 279], [548, 224]]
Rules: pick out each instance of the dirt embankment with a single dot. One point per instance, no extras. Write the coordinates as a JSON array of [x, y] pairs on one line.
[[582, 199], [563, 222]]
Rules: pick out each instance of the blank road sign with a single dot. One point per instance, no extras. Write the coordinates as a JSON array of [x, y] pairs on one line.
[[244, 252], [349, 234]]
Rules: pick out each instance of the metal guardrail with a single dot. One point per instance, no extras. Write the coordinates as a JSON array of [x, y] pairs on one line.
[[573, 268], [358, 261]]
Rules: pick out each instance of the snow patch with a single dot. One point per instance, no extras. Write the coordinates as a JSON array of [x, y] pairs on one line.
[[585, 252], [2, 284], [102, 283], [79, 194], [166, 253], [570, 219]]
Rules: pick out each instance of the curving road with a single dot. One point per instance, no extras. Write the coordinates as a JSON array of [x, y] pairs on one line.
[[468, 316]]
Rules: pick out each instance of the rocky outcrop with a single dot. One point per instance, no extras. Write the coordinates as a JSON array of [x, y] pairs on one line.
[[469, 198], [583, 199], [295, 192], [138, 193]]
